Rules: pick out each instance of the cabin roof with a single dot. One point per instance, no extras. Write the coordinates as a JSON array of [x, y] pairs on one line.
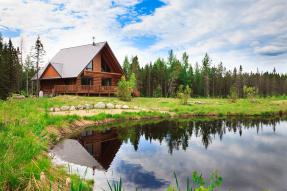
[[70, 62]]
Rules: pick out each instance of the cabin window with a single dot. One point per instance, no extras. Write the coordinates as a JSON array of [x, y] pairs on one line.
[[106, 81], [90, 66], [105, 66], [86, 81]]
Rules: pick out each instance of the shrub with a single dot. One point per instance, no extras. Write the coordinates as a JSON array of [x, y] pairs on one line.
[[126, 87], [184, 94], [250, 93]]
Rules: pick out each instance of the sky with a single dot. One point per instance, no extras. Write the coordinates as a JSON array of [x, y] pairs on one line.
[[251, 33]]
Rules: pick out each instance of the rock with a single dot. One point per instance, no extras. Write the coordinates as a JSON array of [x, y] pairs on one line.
[[88, 106], [198, 102], [110, 106], [51, 109], [18, 97], [100, 105], [72, 108], [118, 106], [65, 108], [56, 109], [41, 93], [80, 107], [125, 107]]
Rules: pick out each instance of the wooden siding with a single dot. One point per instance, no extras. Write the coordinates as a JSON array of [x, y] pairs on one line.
[[50, 72]]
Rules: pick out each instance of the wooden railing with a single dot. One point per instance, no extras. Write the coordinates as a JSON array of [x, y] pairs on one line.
[[84, 89]]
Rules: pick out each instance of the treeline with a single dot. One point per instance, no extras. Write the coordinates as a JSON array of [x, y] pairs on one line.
[[10, 69], [16, 74], [164, 77]]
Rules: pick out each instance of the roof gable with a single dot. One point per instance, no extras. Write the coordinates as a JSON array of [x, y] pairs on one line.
[[50, 72]]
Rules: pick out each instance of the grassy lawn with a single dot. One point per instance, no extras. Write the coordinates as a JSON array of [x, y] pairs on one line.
[[26, 129]]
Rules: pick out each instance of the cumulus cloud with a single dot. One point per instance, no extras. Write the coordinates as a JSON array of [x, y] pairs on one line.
[[250, 33]]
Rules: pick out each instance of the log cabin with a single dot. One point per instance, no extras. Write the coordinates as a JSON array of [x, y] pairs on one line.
[[88, 69]]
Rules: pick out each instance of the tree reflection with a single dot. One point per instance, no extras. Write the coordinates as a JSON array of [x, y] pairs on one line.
[[175, 133]]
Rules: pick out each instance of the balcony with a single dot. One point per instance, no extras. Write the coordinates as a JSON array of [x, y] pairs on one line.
[[85, 89]]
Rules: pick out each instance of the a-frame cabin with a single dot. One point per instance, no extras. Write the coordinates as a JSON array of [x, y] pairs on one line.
[[87, 69]]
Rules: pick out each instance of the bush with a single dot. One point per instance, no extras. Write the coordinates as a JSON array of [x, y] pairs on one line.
[[126, 87], [184, 94], [250, 92]]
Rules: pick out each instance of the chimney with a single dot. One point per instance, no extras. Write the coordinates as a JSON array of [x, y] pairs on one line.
[[94, 44]]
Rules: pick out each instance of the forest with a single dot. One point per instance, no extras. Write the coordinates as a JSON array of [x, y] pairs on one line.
[[162, 78]]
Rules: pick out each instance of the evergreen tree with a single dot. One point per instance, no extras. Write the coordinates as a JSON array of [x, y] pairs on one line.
[[38, 59]]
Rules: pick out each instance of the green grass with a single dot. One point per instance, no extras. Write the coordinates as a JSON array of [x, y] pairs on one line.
[[25, 136]]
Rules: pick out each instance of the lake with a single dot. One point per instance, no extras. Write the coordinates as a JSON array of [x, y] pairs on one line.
[[249, 154]]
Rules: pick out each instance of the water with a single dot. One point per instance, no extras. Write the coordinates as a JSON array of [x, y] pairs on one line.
[[249, 154]]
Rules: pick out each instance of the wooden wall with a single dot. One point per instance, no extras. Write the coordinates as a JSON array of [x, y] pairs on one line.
[[50, 72]]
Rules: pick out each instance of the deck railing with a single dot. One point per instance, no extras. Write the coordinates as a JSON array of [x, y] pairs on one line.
[[84, 89]]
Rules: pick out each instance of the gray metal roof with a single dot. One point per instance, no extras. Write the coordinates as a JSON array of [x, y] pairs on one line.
[[69, 62]]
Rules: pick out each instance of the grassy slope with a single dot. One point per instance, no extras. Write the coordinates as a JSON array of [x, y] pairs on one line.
[[24, 138]]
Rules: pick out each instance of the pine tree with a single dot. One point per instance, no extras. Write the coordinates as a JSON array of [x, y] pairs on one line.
[[38, 56]]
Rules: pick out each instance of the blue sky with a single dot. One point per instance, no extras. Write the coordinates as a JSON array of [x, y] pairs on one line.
[[249, 33]]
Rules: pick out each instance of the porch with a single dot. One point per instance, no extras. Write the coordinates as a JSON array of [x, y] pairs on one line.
[[85, 89]]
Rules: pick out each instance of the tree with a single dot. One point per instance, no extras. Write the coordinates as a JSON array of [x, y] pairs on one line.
[[233, 95], [250, 93], [126, 87], [184, 94], [206, 71], [38, 56], [127, 67]]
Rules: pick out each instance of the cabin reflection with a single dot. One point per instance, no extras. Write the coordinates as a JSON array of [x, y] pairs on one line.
[[103, 146]]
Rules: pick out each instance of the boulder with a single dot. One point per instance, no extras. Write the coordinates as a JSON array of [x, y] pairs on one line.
[[56, 109], [100, 105], [79, 107], [125, 107], [118, 106], [110, 106], [72, 108], [65, 108], [88, 106]]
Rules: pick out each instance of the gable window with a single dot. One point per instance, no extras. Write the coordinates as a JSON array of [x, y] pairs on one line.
[[90, 66], [105, 66], [106, 81], [86, 81]]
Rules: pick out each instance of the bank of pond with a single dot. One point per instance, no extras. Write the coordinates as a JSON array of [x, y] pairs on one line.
[[249, 153]]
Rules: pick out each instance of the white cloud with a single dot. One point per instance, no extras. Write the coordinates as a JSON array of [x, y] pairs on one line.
[[232, 32]]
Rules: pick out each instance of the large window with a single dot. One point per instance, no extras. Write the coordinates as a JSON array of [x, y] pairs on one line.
[[86, 81], [105, 66], [106, 81], [90, 66]]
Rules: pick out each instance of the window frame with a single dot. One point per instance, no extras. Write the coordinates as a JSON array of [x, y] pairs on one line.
[[90, 66]]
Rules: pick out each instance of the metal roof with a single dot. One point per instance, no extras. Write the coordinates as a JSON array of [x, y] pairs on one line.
[[69, 62]]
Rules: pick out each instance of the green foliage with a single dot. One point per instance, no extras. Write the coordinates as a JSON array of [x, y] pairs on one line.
[[250, 92], [184, 94], [233, 95], [198, 183], [126, 87], [116, 185], [10, 69]]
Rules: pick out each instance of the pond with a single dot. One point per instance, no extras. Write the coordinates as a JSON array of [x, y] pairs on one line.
[[249, 154]]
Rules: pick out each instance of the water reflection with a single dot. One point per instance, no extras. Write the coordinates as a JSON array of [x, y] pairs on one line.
[[102, 146], [249, 153]]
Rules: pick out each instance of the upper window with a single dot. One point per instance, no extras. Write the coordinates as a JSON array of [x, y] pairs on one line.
[[90, 66], [105, 66]]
